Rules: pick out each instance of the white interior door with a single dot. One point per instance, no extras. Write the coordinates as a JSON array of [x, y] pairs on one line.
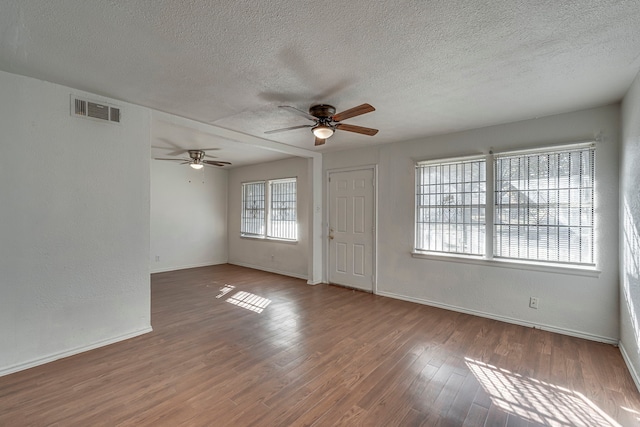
[[351, 228]]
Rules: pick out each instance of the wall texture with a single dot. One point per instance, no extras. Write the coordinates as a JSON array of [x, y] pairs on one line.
[[630, 231], [280, 257], [74, 225], [575, 305], [188, 216]]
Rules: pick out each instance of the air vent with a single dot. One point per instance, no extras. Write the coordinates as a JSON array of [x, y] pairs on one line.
[[81, 107], [115, 114], [93, 110], [98, 111]]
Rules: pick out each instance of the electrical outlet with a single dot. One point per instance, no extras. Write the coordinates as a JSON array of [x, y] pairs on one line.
[[533, 302], [157, 258]]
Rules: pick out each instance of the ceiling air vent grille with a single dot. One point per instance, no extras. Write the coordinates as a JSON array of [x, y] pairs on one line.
[[98, 111], [81, 107], [115, 114], [94, 110]]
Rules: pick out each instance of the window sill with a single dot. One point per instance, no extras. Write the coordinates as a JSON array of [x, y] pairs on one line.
[[270, 239], [518, 265]]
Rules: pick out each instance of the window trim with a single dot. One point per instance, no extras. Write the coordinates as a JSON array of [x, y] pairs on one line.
[[267, 210], [488, 259]]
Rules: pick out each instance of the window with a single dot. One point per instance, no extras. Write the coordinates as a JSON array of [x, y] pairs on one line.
[[542, 205], [253, 212], [282, 215], [450, 206], [269, 209]]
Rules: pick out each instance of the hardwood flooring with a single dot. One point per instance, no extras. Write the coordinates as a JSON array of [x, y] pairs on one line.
[[238, 347]]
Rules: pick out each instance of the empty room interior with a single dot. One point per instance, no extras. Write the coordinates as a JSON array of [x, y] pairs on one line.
[[319, 213]]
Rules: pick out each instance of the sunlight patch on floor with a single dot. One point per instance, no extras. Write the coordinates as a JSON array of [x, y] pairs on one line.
[[225, 290], [536, 400], [634, 412], [249, 301]]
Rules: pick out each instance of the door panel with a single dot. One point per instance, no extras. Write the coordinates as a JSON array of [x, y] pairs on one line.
[[341, 258], [359, 218], [351, 232]]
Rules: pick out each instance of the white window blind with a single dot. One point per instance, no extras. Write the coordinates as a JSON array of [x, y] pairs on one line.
[[283, 223], [253, 209], [450, 206], [544, 205]]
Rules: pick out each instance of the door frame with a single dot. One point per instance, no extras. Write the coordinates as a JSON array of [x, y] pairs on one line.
[[327, 213]]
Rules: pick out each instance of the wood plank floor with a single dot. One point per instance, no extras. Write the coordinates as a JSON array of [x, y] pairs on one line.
[[273, 351]]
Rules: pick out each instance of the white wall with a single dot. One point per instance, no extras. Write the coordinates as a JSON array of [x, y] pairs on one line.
[[280, 257], [630, 231], [74, 225], [575, 305], [188, 216]]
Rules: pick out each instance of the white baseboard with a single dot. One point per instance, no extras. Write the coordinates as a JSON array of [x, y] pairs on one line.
[[563, 331], [52, 357], [184, 267], [270, 270], [630, 367]]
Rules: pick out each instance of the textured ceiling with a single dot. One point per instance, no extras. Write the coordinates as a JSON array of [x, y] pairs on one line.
[[429, 67]]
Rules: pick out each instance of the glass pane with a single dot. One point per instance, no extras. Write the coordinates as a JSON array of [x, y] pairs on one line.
[[253, 213], [450, 209], [283, 222]]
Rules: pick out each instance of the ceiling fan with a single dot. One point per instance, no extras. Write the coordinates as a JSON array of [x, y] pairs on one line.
[[327, 121], [197, 160]]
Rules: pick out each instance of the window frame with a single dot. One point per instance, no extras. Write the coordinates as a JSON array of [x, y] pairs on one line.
[[488, 258], [268, 222]]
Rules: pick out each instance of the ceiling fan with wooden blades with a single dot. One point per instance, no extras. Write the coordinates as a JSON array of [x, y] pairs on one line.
[[197, 160], [326, 121]]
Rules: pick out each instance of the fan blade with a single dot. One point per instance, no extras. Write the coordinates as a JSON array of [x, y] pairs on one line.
[[299, 112], [352, 112], [178, 150], [286, 129], [320, 141], [215, 163], [175, 160], [357, 129]]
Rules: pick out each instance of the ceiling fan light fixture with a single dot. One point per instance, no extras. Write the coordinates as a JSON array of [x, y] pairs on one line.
[[196, 166], [322, 131]]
